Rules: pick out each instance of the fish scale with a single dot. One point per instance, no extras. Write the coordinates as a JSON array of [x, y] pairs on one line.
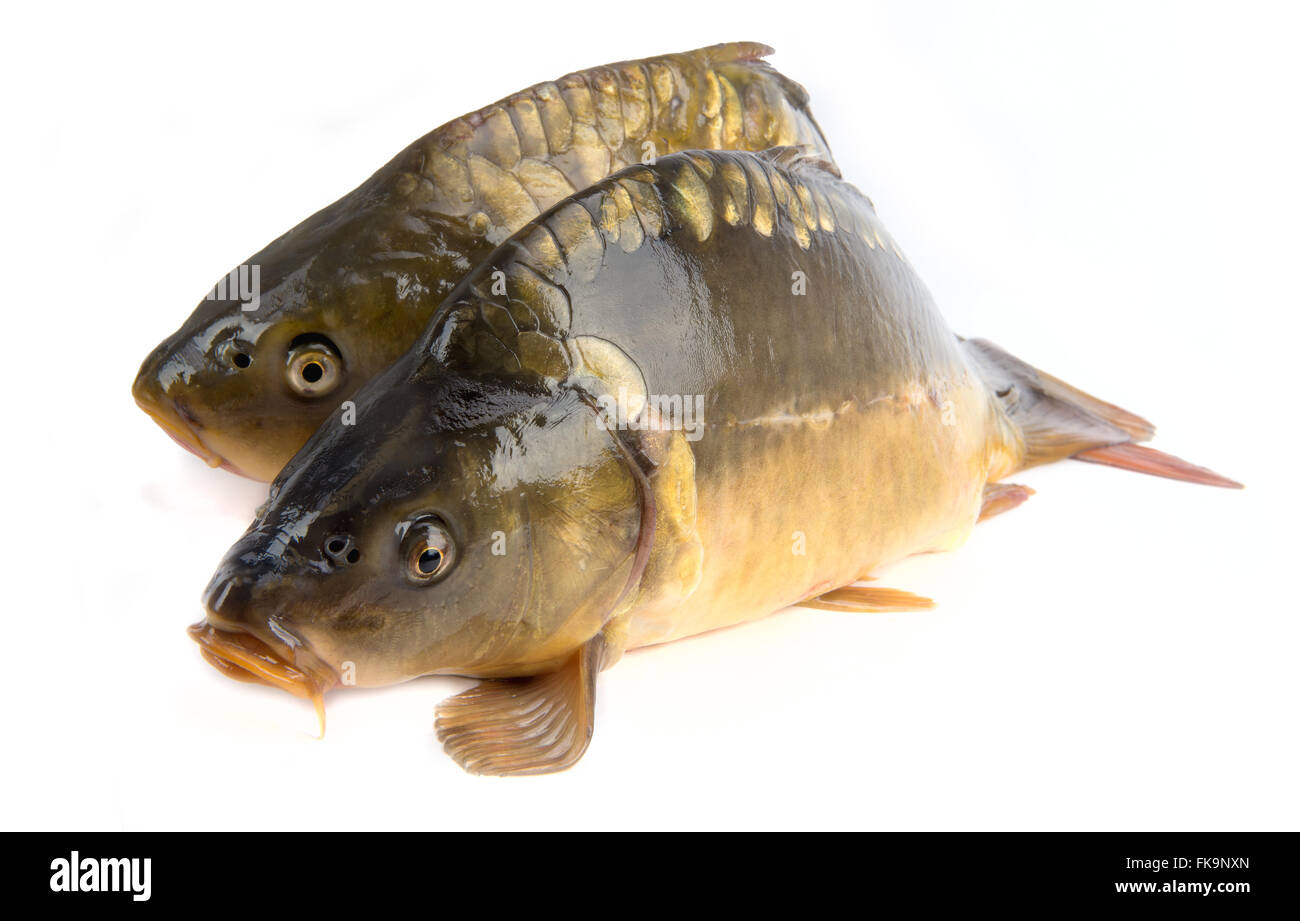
[[489, 163], [627, 211]]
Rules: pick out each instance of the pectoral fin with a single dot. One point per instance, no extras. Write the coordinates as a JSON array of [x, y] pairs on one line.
[[534, 725], [867, 599]]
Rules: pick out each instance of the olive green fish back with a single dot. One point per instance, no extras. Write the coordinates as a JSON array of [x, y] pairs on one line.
[[512, 316]]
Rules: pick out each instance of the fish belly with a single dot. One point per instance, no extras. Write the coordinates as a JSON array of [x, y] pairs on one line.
[[792, 507]]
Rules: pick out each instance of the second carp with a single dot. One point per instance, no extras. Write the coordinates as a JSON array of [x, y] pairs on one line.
[[300, 326]]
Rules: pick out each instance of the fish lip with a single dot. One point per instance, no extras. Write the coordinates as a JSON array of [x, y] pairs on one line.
[[181, 431], [242, 656]]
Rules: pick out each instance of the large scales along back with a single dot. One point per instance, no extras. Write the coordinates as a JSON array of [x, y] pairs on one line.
[[504, 164], [547, 304], [252, 373]]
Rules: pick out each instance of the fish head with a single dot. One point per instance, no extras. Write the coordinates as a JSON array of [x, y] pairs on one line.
[[285, 338], [458, 530]]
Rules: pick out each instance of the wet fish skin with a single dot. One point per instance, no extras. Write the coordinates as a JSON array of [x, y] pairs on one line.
[[845, 427], [363, 276]]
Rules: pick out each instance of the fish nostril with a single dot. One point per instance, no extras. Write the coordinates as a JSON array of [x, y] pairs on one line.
[[340, 549]]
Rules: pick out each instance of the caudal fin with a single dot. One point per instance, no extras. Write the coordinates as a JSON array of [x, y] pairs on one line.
[[1142, 459], [1059, 421]]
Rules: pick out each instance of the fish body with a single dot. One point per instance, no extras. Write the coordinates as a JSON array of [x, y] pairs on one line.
[[765, 290], [293, 332], [695, 393]]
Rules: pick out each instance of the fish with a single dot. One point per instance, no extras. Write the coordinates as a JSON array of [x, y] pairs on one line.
[[284, 339], [708, 389]]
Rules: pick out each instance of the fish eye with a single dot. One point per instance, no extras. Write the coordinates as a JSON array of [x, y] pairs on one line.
[[313, 367], [428, 550], [236, 354]]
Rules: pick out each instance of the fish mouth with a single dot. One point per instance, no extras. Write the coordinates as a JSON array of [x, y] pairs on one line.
[[182, 432], [170, 417], [170, 420], [244, 657]]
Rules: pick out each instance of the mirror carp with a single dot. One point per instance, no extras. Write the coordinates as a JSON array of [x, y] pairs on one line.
[[289, 335], [696, 393]]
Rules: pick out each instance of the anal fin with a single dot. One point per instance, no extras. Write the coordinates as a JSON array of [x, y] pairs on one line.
[[535, 725], [1002, 497], [867, 599]]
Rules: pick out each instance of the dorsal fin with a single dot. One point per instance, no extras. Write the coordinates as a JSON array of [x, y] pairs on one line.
[[726, 52]]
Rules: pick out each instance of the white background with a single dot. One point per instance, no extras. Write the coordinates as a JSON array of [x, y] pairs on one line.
[[1108, 190]]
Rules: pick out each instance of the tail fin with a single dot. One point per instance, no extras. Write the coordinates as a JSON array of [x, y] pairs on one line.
[[1059, 421], [1149, 460]]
